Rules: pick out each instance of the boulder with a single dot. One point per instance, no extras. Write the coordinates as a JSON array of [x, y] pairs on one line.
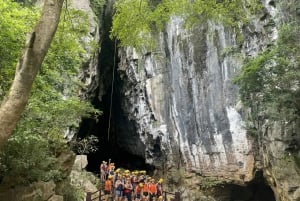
[[80, 162]]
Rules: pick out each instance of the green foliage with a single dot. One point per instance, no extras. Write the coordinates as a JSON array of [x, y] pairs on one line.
[[270, 81], [27, 3], [210, 182], [97, 6], [72, 193], [136, 20], [131, 22], [52, 109], [15, 22], [26, 158], [176, 178]]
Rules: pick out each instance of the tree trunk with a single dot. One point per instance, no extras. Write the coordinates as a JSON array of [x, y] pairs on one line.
[[27, 68]]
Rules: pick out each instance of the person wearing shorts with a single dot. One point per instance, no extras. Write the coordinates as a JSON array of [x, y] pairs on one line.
[[119, 186]]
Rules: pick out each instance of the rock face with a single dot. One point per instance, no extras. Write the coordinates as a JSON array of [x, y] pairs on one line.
[[88, 74], [80, 178], [80, 162], [280, 153], [38, 191], [184, 104]]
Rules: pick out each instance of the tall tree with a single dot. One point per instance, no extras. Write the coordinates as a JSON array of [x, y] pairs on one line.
[[27, 68]]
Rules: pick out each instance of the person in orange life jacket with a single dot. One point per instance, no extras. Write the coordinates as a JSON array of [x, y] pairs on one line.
[[139, 191], [112, 171], [103, 170], [152, 190], [146, 190], [110, 165], [108, 187], [128, 189], [119, 186]]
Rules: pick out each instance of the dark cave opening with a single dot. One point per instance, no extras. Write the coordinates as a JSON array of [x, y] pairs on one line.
[[253, 192], [110, 145], [256, 190]]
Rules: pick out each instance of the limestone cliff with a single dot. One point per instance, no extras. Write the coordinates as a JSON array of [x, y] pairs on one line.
[[184, 104]]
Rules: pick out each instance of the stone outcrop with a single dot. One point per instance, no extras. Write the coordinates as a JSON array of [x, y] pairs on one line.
[[82, 179], [80, 162], [38, 191], [280, 151]]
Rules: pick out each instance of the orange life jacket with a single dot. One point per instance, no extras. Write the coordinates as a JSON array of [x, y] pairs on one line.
[[138, 190], [152, 188], [107, 186], [146, 188]]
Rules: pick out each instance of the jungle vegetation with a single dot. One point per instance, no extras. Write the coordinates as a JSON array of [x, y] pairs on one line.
[[54, 107]]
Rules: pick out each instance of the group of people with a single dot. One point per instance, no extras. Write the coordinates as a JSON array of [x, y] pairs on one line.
[[126, 185]]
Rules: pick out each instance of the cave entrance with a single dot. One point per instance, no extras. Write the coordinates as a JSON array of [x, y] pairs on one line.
[[256, 190], [111, 145], [252, 192]]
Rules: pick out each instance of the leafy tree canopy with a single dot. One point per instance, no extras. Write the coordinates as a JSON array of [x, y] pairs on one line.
[[53, 107], [269, 83], [135, 20], [15, 22]]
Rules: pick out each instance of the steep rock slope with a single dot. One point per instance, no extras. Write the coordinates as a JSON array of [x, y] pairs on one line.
[[184, 104]]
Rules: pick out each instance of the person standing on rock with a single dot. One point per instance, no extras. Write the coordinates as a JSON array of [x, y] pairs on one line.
[[103, 169]]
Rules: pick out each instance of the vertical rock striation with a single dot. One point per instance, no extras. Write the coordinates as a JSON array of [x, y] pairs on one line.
[[183, 104]]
